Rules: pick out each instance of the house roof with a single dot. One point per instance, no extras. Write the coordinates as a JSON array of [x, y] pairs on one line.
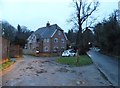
[[47, 32]]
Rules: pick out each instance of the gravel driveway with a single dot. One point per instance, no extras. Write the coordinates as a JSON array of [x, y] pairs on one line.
[[44, 71]]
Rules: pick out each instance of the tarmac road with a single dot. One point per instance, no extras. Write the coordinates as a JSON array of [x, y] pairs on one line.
[[108, 65]]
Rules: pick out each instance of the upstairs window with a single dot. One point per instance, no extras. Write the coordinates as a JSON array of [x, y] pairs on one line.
[[47, 40], [59, 32], [56, 40], [63, 40]]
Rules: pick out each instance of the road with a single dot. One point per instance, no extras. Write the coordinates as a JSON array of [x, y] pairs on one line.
[[108, 65], [44, 71]]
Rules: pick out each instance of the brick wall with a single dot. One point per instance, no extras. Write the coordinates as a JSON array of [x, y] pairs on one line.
[[4, 47], [15, 51], [58, 44], [0, 50]]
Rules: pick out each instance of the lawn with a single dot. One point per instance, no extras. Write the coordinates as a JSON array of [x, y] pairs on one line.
[[83, 60], [5, 65]]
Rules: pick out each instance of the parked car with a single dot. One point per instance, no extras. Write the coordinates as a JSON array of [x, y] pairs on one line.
[[69, 52], [37, 51], [95, 49]]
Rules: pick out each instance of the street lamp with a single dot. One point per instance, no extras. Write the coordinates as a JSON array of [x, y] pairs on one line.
[[89, 43]]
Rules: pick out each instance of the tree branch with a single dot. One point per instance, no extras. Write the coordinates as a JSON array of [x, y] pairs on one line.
[[87, 15]]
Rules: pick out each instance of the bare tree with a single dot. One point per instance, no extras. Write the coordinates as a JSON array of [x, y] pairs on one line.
[[84, 10]]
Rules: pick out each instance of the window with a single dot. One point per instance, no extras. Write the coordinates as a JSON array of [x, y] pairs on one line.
[[63, 41], [62, 49], [37, 40], [47, 40], [46, 48], [55, 49], [59, 32], [56, 40], [44, 40]]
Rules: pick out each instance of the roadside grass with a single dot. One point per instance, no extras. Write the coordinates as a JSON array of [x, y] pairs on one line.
[[5, 65], [83, 60]]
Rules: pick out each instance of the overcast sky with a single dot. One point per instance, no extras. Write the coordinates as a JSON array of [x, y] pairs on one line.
[[36, 13]]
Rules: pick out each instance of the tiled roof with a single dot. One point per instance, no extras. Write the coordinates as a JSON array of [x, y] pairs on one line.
[[46, 32]]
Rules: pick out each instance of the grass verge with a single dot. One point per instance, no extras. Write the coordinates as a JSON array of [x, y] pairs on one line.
[[83, 60], [5, 65]]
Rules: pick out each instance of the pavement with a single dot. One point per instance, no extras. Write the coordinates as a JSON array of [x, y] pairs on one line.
[[107, 65], [44, 71]]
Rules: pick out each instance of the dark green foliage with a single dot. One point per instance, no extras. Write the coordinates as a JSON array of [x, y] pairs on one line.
[[107, 35], [87, 38], [21, 35], [80, 40], [9, 31], [16, 36], [71, 36]]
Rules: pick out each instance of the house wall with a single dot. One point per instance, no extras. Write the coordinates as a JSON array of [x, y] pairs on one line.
[[32, 43], [46, 45], [58, 44], [40, 46]]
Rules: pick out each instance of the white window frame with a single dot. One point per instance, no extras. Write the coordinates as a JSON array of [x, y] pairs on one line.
[[56, 40], [59, 32], [55, 49], [63, 40], [48, 40], [46, 48]]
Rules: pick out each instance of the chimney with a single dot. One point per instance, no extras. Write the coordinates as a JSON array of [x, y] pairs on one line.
[[48, 24]]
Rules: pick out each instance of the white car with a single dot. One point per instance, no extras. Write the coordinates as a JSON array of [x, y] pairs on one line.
[[69, 52], [96, 49]]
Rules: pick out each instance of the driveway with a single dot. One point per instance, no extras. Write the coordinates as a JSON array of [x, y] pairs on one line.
[[44, 71], [108, 65]]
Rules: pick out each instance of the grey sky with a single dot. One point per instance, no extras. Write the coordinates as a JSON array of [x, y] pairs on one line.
[[35, 13]]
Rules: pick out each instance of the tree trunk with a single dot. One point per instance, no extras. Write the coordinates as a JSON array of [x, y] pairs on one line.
[[77, 57]]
